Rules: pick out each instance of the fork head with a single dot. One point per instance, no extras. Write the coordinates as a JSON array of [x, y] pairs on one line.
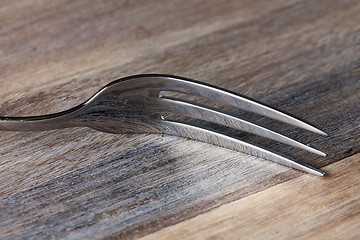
[[141, 104]]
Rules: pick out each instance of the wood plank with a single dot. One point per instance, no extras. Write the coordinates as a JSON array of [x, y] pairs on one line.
[[46, 45], [302, 208], [300, 56]]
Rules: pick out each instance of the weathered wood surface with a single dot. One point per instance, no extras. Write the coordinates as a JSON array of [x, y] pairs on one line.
[[300, 56], [301, 208]]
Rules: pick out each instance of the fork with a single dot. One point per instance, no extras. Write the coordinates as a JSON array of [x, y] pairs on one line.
[[142, 104]]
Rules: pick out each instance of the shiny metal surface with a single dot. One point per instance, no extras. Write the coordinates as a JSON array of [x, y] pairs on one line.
[[138, 104]]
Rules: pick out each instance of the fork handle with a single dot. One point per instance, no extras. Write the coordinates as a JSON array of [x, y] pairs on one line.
[[40, 123], [73, 118], [64, 119]]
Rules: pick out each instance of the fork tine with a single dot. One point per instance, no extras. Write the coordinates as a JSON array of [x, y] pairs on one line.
[[192, 87], [216, 138], [179, 106]]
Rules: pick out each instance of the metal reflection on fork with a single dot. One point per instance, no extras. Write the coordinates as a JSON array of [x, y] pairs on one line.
[[138, 104]]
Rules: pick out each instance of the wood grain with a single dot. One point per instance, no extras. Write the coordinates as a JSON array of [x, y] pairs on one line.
[[302, 208], [300, 56]]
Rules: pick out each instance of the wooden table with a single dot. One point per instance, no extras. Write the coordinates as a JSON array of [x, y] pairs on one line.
[[300, 56]]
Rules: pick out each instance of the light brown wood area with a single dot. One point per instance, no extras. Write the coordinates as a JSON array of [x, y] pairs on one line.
[[300, 56], [300, 208]]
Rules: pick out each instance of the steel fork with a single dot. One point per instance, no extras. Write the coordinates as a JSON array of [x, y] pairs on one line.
[[141, 104]]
